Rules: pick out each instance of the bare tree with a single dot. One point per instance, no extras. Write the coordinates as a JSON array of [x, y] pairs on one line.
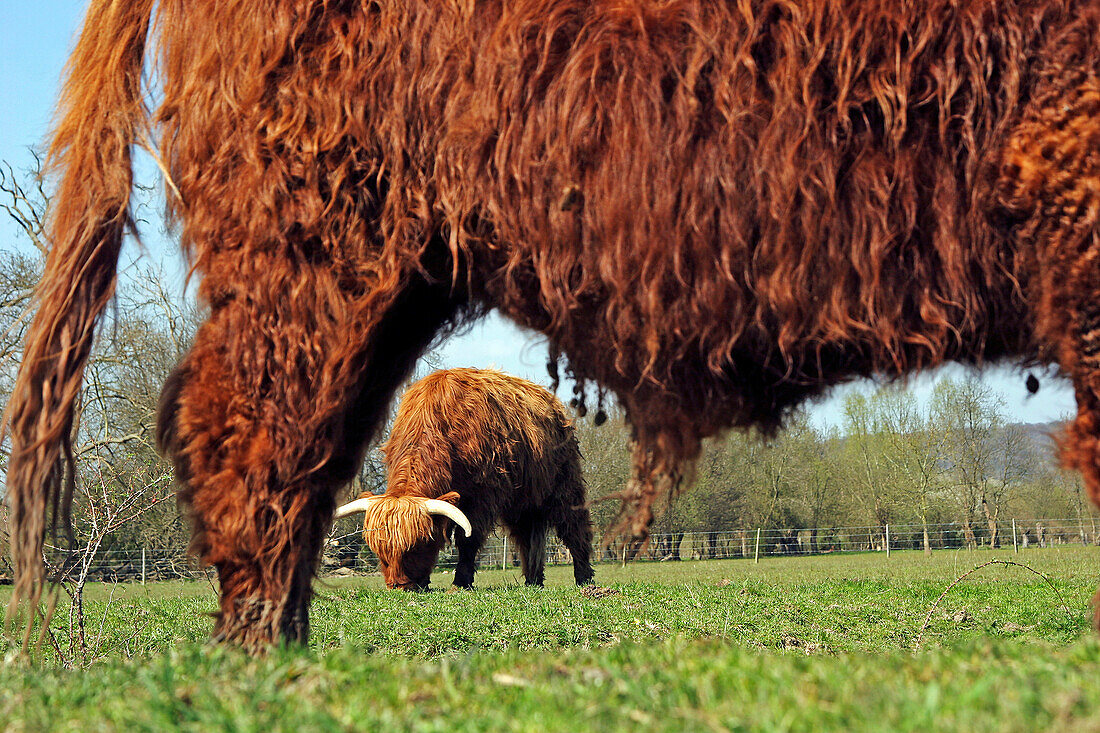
[[27, 208], [870, 471], [121, 482], [816, 476], [913, 449], [986, 457]]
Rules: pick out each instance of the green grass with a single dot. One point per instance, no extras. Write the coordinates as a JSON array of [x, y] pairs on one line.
[[789, 643]]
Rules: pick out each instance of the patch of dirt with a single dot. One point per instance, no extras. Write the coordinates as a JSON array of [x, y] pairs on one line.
[[790, 641], [598, 591]]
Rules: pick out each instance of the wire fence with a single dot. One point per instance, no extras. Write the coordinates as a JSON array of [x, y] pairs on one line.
[[347, 554]]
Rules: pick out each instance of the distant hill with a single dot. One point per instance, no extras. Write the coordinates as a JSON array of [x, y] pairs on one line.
[[1042, 435]]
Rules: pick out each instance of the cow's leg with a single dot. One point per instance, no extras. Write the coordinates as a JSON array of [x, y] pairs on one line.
[[529, 533], [574, 528], [468, 547], [571, 519], [267, 417]]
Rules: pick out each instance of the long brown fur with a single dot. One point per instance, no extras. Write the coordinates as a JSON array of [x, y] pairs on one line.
[[713, 209], [507, 448]]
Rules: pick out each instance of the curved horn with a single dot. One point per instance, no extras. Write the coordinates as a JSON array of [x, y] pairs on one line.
[[435, 506], [359, 505]]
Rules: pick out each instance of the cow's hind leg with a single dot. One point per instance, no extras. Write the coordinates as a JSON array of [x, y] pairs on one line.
[[267, 417], [574, 528], [571, 519], [529, 533]]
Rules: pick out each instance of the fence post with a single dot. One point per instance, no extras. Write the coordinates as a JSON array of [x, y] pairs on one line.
[[756, 557], [887, 541], [504, 554], [1015, 547], [143, 566]]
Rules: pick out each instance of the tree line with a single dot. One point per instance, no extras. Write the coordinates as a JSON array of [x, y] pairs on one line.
[[954, 459]]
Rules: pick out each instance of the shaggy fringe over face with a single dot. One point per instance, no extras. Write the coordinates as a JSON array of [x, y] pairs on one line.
[[393, 526], [507, 447], [404, 536], [714, 210]]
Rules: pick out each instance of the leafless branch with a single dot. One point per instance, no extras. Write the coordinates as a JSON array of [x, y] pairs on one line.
[[928, 617]]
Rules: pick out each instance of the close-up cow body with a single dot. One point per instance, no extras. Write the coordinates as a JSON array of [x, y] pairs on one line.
[[476, 447], [714, 211]]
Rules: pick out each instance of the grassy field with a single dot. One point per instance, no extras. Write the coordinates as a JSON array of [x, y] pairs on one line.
[[786, 644]]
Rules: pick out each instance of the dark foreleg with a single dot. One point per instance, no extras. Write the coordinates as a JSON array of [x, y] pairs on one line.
[[468, 547]]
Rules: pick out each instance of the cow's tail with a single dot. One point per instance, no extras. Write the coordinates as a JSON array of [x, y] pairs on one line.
[[101, 114]]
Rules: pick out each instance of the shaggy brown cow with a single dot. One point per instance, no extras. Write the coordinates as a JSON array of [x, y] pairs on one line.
[[507, 448], [713, 209]]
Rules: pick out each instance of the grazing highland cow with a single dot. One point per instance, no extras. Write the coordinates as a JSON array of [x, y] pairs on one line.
[[508, 450], [714, 210]]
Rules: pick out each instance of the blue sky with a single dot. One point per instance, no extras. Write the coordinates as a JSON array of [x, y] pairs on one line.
[[35, 38]]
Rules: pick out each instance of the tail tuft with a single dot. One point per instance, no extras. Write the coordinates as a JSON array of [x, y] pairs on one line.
[[101, 115]]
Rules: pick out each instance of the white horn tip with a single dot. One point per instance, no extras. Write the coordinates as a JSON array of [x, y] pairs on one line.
[[446, 509]]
